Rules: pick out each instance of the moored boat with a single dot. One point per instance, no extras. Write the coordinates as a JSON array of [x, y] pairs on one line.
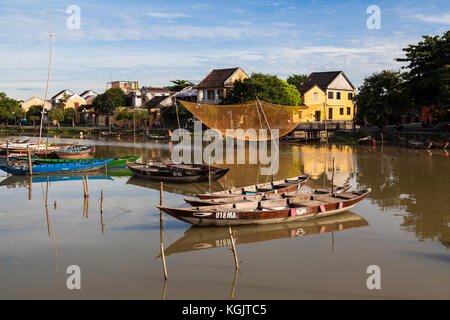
[[278, 186], [20, 168], [263, 197], [75, 152], [115, 163], [273, 211], [176, 173]]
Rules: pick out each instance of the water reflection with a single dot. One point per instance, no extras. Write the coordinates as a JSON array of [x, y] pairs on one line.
[[201, 238], [416, 185]]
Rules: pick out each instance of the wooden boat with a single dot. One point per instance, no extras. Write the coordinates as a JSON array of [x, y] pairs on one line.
[[110, 134], [279, 186], [115, 163], [21, 168], [156, 137], [365, 140], [74, 153], [195, 239], [263, 197], [176, 173], [271, 211]]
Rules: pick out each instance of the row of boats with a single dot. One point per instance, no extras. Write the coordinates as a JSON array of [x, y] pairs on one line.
[[275, 202], [18, 148]]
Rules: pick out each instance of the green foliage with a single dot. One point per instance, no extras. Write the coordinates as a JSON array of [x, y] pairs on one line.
[[130, 114], [69, 115], [108, 101], [180, 85], [10, 108], [56, 115], [266, 87], [428, 72], [382, 98], [296, 79], [169, 115]]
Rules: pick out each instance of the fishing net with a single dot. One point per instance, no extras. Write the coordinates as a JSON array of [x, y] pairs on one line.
[[249, 117]]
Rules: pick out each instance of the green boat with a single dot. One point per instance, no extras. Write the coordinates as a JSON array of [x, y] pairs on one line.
[[115, 163]]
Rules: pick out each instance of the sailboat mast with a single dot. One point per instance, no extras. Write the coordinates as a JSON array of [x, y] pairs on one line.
[[48, 79]]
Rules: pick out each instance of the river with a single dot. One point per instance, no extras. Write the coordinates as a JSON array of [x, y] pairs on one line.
[[403, 227]]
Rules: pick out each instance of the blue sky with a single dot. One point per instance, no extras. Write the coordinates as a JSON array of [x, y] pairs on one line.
[[154, 42]]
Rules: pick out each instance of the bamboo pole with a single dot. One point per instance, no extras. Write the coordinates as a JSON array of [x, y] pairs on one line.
[[101, 211], [233, 289], [332, 180], [7, 150], [48, 80], [30, 169], [30, 187], [164, 289], [161, 227], [236, 260]]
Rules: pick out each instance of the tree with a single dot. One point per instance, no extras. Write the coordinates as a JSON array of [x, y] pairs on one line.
[[108, 101], [34, 113], [180, 85], [56, 115], [266, 87], [296, 79], [382, 98], [428, 72], [9, 108], [69, 116]]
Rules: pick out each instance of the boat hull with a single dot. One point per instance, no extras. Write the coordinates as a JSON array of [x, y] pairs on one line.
[[227, 216], [55, 168]]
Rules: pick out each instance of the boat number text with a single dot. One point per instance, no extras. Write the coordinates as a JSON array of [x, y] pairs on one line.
[[225, 215]]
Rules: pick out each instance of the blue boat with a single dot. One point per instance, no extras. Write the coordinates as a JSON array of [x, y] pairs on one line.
[[57, 167]]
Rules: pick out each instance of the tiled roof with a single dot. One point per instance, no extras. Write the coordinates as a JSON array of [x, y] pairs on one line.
[[321, 79], [216, 78], [155, 101]]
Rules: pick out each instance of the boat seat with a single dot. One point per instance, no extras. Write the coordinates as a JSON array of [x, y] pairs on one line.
[[305, 203]]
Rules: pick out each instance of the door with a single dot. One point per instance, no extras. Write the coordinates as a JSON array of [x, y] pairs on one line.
[[330, 114]]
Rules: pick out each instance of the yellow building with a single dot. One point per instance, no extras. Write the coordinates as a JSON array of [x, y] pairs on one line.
[[35, 101], [328, 96], [217, 83]]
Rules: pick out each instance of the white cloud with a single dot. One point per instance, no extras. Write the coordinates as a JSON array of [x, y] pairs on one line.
[[444, 18], [167, 15]]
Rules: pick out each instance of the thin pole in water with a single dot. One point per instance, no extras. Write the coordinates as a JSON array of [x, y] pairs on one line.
[[236, 260]]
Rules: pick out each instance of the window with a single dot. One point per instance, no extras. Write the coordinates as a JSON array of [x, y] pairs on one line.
[[315, 96], [338, 95], [341, 111], [350, 96], [330, 95], [348, 111], [330, 114], [220, 92], [299, 115]]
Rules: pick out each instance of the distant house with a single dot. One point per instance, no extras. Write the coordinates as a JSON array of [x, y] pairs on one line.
[[26, 105], [57, 98], [217, 83], [156, 103], [328, 96], [67, 99], [148, 93], [89, 96], [126, 86]]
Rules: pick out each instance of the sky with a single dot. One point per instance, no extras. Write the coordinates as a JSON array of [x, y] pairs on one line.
[[153, 42]]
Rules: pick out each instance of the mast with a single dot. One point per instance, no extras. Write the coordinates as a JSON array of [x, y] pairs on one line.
[[48, 80]]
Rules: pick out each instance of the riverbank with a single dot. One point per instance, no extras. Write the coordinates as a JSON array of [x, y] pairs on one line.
[[70, 131]]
